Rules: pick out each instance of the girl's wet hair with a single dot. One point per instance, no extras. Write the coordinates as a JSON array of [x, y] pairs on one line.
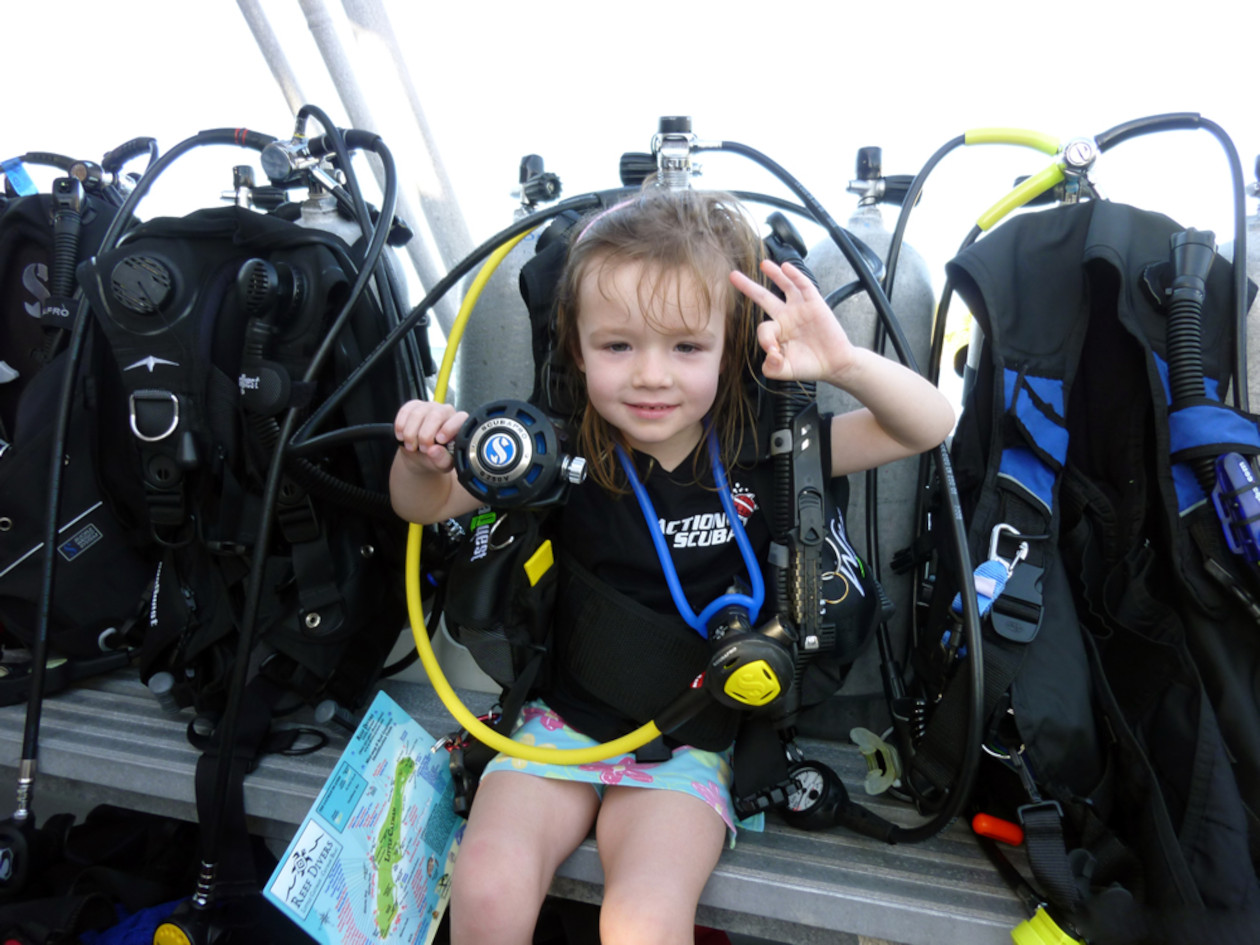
[[689, 241]]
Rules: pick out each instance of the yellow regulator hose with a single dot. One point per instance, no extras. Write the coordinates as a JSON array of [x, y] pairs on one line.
[[415, 608]]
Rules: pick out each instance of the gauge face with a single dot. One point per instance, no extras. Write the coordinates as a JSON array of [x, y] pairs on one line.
[[808, 786]]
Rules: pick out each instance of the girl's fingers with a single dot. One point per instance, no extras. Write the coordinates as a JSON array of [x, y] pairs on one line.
[[450, 428], [754, 290], [787, 277], [420, 425]]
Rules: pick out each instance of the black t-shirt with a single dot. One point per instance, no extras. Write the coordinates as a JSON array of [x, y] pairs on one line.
[[609, 536]]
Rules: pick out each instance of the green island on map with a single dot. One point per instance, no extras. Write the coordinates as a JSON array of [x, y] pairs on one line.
[[388, 849]]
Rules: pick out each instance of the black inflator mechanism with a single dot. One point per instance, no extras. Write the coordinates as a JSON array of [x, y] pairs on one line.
[[508, 453]]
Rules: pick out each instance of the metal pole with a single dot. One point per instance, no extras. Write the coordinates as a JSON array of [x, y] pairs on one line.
[[273, 52], [448, 238]]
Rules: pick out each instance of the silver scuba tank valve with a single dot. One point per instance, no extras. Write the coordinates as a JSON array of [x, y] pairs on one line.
[[871, 186], [672, 146], [868, 184], [1079, 155], [508, 454]]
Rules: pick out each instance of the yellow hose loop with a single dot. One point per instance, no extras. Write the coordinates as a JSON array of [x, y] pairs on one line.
[[1037, 184], [1022, 137], [627, 744]]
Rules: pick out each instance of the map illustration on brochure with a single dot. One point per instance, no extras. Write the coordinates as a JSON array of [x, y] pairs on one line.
[[372, 860]]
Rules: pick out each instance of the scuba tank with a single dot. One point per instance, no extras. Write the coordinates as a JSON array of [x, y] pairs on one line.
[[319, 212], [496, 355], [914, 302]]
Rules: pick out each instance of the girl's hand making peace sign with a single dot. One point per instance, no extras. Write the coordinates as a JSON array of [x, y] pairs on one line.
[[802, 338]]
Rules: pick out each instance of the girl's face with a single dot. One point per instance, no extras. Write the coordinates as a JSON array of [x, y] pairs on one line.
[[651, 350]]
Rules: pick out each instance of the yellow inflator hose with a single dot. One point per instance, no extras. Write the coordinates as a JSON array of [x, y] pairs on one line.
[[1035, 185], [415, 608]]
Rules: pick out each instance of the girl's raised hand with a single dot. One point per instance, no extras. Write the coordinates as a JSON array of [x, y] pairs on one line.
[[802, 339], [424, 428]]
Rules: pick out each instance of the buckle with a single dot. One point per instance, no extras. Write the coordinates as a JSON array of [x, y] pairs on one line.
[[1037, 807]]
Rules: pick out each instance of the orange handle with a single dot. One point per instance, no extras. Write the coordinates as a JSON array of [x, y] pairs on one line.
[[995, 828]]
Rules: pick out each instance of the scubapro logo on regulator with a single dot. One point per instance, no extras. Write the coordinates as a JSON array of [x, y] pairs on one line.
[[500, 451]]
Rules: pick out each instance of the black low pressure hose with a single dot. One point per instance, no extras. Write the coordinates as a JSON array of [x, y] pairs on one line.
[[956, 526], [39, 651], [932, 372], [893, 253], [64, 260], [226, 733], [1192, 252], [338, 147], [303, 437], [67, 216], [114, 160], [353, 194], [319, 481], [241, 137]]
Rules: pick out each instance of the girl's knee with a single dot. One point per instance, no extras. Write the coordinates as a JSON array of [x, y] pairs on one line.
[[645, 921], [491, 901], [495, 866]]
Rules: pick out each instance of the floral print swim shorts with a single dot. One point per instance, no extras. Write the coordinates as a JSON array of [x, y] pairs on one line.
[[704, 774]]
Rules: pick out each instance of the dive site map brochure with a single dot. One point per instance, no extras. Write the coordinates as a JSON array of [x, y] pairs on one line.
[[372, 860]]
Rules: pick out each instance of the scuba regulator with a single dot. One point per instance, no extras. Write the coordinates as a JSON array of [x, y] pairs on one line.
[[507, 453]]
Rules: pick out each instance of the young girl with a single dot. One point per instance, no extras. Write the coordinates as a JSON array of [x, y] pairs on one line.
[[660, 314]]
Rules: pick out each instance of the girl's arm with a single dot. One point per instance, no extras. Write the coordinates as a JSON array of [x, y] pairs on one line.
[[423, 486], [901, 414]]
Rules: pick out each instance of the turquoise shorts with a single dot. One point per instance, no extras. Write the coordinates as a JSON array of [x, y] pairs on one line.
[[703, 774]]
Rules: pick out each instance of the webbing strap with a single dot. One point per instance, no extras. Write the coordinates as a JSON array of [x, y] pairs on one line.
[[1047, 854]]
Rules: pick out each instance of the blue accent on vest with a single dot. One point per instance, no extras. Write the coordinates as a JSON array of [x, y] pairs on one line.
[[1206, 425], [1022, 463], [1027, 468], [1200, 425], [1051, 437]]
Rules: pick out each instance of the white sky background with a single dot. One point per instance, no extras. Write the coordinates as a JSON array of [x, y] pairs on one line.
[[579, 83]]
